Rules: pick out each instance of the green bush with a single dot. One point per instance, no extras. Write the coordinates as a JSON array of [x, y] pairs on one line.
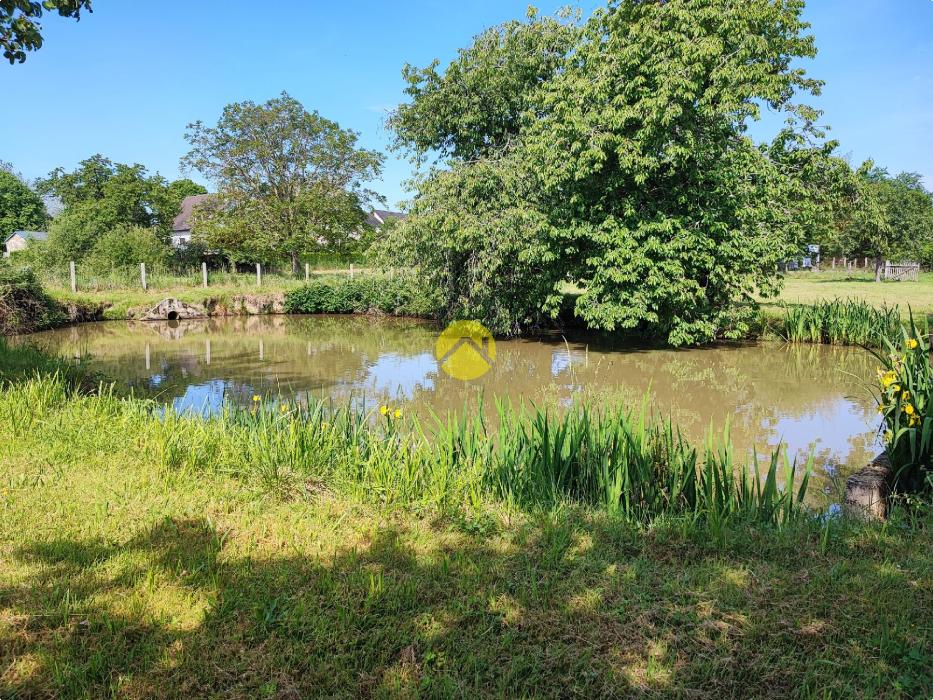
[[24, 305], [399, 296], [124, 247]]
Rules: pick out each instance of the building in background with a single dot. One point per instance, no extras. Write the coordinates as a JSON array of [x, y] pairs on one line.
[[20, 240]]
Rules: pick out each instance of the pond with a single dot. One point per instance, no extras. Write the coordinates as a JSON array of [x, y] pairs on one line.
[[809, 397]]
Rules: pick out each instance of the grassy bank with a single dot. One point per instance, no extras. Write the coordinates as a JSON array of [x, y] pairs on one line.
[[284, 554]]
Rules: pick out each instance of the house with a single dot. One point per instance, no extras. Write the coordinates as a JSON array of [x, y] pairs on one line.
[[380, 217], [19, 240], [181, 226]]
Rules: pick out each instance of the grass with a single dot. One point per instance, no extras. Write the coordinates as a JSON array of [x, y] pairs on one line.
[[279, 555], [812, 287]]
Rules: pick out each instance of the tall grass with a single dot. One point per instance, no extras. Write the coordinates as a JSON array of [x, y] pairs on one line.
[[841, 322], [620, 461]]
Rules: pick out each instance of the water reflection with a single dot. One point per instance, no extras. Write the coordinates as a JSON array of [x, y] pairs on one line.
[[809, 396]]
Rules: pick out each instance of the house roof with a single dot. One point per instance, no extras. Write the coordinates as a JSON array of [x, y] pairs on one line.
[[182, 220], [381, 216], [29, 235]]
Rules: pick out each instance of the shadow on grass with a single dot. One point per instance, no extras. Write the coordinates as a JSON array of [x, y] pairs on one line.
[[563, 608]]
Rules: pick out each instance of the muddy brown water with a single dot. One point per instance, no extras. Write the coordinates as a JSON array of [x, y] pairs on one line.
[[810, 397]]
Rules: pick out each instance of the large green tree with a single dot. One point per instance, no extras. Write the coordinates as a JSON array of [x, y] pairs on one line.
[[654, 200], [20, 30], [891, 217], [289, 182], [21, 208]]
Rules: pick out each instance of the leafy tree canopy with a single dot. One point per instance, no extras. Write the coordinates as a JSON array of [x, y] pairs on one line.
[[100, 195], [476, 105], [645, 190], [891, 217], [19, 23], [20, 207], [289, 181]]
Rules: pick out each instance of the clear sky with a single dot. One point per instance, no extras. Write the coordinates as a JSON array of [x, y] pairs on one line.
[[125, 80]]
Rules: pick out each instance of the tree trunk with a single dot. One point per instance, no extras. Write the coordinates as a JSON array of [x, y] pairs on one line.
[[879, 264], [295, 263]]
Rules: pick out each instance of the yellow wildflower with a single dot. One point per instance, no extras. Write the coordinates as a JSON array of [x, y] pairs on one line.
[[914, 421], [912, 343], [398, 413], [384, 410], [909, 409], [895, 388], [905, 395], [888, 436], [888, 379], [284, 408], [255, 398]]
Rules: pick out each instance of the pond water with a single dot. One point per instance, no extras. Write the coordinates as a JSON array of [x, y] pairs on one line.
[[809, 397]]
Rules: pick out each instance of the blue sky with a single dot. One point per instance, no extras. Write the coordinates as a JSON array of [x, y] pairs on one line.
[[127, 79]]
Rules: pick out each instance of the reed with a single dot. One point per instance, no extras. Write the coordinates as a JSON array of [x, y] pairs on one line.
[[841, 322], [625, 462]]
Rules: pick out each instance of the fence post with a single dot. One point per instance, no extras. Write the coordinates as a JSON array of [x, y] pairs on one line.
[[74, 277], [307, 272], [204, 274], [142, 275], [258, 274], [351, 271]]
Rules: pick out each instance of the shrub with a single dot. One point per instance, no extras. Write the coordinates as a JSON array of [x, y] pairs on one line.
[[24, 305], [127, 247], [398, 296]]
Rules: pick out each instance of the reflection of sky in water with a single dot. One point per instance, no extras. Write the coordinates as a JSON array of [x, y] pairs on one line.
[[803, 395], [399, 376], [829, 430]]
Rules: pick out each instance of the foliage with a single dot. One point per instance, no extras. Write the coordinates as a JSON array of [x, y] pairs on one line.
[[475, 238], [21, 209], [841, 322], [100, 195], [397, 295], [891, 217], [639, 179], [904, 395], [290, 182], [128, 247], [475, 107], [20, 28], [24, 305]]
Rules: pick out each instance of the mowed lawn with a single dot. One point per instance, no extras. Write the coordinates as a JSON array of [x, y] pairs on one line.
[[809, 287], [124, 576]]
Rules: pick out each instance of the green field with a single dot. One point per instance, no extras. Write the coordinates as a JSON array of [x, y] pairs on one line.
[[809, 287], [147, 557]]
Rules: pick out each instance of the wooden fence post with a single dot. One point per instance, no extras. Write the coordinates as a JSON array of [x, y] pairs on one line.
[[307, 271], [204, 274], [258, 274], [142, 275], [74, 277], [351, 271]]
